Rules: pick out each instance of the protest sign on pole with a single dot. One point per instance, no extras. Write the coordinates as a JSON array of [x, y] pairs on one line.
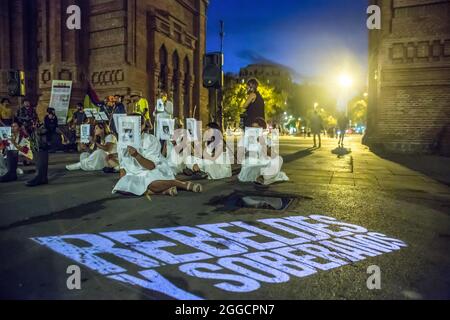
[[60, 99]]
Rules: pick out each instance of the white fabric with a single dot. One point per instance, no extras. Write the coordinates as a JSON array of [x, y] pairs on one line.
[[259, 164], [97, 160], [23, 143], [137, 178], [177, 162], [216, 169], [111, 139], [269, 168]]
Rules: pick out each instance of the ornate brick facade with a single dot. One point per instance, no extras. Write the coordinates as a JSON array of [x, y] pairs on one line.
[[409, 76], [123, 46]]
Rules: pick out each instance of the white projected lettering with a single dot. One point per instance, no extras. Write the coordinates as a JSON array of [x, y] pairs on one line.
[[235, 257]]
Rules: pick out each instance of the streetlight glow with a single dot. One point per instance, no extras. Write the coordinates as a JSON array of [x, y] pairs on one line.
[[345, 80]]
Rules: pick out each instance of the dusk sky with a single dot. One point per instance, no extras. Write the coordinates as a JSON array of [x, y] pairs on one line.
[[313, 37]]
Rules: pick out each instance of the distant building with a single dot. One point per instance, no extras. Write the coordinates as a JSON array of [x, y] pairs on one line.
[[123, 46], [409, 76], [271, 74]]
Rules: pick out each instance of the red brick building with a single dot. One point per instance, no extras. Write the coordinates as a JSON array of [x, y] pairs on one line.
[[123, 46], [409, 76]]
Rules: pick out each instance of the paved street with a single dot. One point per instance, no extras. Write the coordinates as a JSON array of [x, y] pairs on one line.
[[355, 186]]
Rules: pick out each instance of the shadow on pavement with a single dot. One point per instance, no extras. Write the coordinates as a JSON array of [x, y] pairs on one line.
[[434, 166], [341, 152], [298, 155], [66, 214]]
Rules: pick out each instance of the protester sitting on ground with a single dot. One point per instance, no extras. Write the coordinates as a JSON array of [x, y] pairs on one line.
[[78, 118], [17, 149], [53, 134], [177, 161], [104, 144], [146, 171], [265, 167], [216, 165]]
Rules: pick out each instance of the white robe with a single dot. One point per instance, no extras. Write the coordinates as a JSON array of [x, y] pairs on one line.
[[176, 161], [138, 179], [269, 168], [96, 160], [219, 168], [259, 164]]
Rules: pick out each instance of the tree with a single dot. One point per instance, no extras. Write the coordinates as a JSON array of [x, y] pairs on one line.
[[357, 111], [235, 96]]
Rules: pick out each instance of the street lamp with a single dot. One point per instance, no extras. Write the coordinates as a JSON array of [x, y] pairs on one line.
[[346, 82]]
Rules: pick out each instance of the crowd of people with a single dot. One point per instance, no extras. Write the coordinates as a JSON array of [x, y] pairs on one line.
[[149, 169]]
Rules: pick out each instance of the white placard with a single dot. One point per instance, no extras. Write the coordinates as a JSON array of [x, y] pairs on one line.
[[88, 113], [5, 133], [103, 116], [116, 118], [85, 133], [159, 105], [165, 129], [60, 99], [192, 127], [129, 131], [251, 139]]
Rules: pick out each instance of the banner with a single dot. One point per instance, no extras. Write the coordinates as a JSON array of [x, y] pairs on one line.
[[60, 99]]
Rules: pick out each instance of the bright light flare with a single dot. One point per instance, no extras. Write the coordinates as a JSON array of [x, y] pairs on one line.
[[345, 80]]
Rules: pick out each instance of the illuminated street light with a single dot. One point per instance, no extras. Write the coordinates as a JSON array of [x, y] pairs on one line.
[[345, 81]]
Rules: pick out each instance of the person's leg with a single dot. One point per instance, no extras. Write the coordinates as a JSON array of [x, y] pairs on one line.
[[320, 140], [315, 142], [12, 159], [162, 186], [42, 168]]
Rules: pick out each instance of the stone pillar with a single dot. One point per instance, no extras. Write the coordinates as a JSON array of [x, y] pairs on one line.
[[63, 51]]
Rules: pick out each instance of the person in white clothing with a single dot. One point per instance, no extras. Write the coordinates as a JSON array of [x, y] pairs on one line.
[[265, 168], [104, 145], [216, 165], [146, 171]]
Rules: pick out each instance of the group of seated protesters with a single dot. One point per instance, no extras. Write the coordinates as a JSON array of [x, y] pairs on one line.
[[152, 168]]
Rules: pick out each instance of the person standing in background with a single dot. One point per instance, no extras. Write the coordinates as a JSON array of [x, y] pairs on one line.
[[316, 128], [118, 108], [254, 105], [342, 126], [6, 113], [51, 125], [141, 107]]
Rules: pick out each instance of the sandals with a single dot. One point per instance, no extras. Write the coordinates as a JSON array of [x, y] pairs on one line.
[[194, 187], [172, 192]]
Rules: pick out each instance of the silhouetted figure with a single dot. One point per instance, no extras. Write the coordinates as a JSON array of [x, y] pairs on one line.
[[316, 128], [342, 126]]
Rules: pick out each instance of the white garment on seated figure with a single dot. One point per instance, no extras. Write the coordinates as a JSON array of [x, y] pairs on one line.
[[218, 168], [137, 178], [176, 161], [24, 142], [259, 164], [97, 160]]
